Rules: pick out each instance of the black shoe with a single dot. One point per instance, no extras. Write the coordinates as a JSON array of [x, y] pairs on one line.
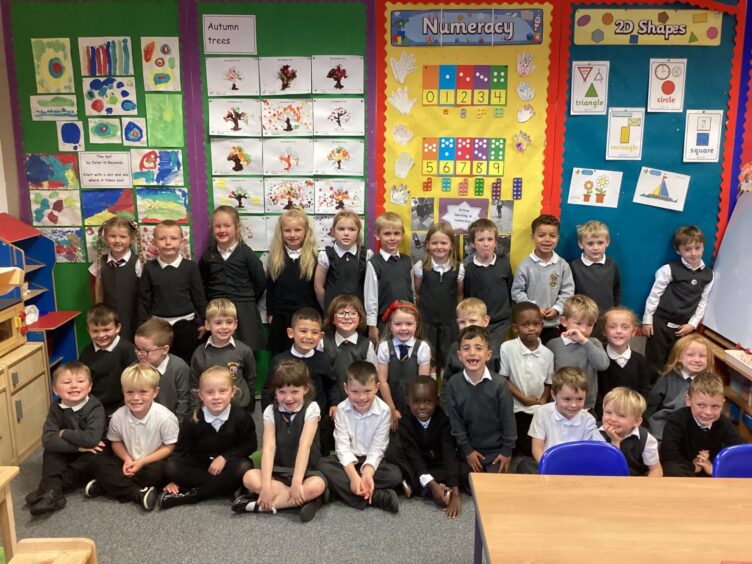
[[386, 500], [146, 498], [241, 503], [92, 489], [49, 501], [309, 509], [32, 497], [167, 500]]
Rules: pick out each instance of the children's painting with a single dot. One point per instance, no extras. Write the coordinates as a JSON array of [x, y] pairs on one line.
[[70, 136], [340, 157], [322, 226], [157, 167], [164, 118], [134, 132], [158, 204], [336, 194], [91, 234], [55, 171], [56, 207], [105, 56], [104, 130], [288, 156], [236, 157], [244, 194], [160, 61], [337, 74], [254, 232], [662, 189], [282, 76], [110, 96], [53, 107], [100, 205], [282, 117], [592, 187], [69, 243], [53, 65], [338, 116], [285, 193], [237, 117], [236, 76], [146, 233]]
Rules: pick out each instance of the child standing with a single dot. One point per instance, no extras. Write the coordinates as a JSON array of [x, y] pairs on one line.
[[470, 311], [341, 268], [528, 367], [291, 449], [480, 410], [171, 288], [388, 273], [622, 417], [221, 349], [438, 285], [153, 342], [289, 281], [695, 434], [106, 356], [401, 357], [677, 301], [358, 474], [543, 277], [575, 347], [214, 446], [690, 356], [230, 269], [71, 436], [142, 435], [488, 277], [117, 270]]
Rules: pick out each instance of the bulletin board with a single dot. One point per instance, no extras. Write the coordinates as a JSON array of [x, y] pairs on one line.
[[92, 145]]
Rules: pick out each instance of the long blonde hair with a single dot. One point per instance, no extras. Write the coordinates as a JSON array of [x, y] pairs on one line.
[[277, 251], [674, 358], [445, 229]]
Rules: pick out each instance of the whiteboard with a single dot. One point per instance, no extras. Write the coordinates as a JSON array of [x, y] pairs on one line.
[[729, 310]]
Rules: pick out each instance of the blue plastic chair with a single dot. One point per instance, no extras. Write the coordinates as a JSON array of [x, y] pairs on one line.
[[733, 462], [584, 458]]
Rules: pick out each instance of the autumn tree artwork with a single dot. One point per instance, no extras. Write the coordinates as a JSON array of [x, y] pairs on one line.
[[239, 158], [338, 155], [236, 116], [233, 76], [337, 74], [239, 194], [286, 75], [292, 193], [339, 115]]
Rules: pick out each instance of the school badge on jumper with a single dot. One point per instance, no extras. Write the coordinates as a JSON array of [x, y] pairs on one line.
[[554, 280]]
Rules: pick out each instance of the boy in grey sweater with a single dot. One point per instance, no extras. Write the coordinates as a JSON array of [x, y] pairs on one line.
[[575, 347]]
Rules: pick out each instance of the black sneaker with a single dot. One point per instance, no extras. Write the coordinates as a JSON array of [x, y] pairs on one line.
[[241, 503], [167, 500], [146, 498], [309, 509], [49, 501], [92, 489], [386, 499], [32, 497]]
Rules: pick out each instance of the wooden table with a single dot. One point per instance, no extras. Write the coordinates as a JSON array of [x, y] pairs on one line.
[[595, 519], [7, 522]]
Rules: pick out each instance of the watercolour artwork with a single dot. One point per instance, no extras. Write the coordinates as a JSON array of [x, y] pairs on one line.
[[282, 76], [104, 130], [661, 189], [56, 207], [340, 157], [238, 76], [157, 167], [53, 108], [111, 96], [69, 243], [339, 116], [244, 194], [592, 187], [282, 117], [288, 156], [282, 194], [58, 171], [164, 118], [146, 232], [253, 228], [100, 205], [337, 74], [70, 136], [105, 56], [237, 117], [134, 132], [53, 65], [335, 194], [160, 61], [236, 157], [159, 204]]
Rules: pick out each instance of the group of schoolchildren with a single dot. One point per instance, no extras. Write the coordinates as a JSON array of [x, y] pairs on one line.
[[406, 383]]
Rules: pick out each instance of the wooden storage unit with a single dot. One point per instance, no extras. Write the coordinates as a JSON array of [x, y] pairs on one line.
[[6, 441]]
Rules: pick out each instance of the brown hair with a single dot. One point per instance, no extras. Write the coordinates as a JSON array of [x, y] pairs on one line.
[[621, 309], [581, 307], [404, 307], [571, 376], [474, 332], [355, 218], [344, 301], [362, 372], [291, 372], [156, 329], [305, 314], [235, 216], [545, 219], [688, 234], [72, 367], [117, 221], [444, 229], [102, 314], [481, 225], [706, 383]]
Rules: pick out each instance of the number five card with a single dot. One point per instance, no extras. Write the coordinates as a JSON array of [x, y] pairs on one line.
[[666, 90]]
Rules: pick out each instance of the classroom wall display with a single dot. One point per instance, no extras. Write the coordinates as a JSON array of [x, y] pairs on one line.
[[255, 232], [666, 85], [160, 63], [284, 117], [134, 132], [336, 74], [97, 206], [590, 187], [589, 93], [70, 136], [232, 76], [55, 207], [236, 117], [57, 171], [157, 167], [244, 194], [103, 130], [336, 194], [53, 107], [160, 204], [236, 156], [105, 56], [339, 116], [285, 193], [284, 75], [702, 135], [662, 189], [164, 119], [53, 65], [111, 96], [69, 243]]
